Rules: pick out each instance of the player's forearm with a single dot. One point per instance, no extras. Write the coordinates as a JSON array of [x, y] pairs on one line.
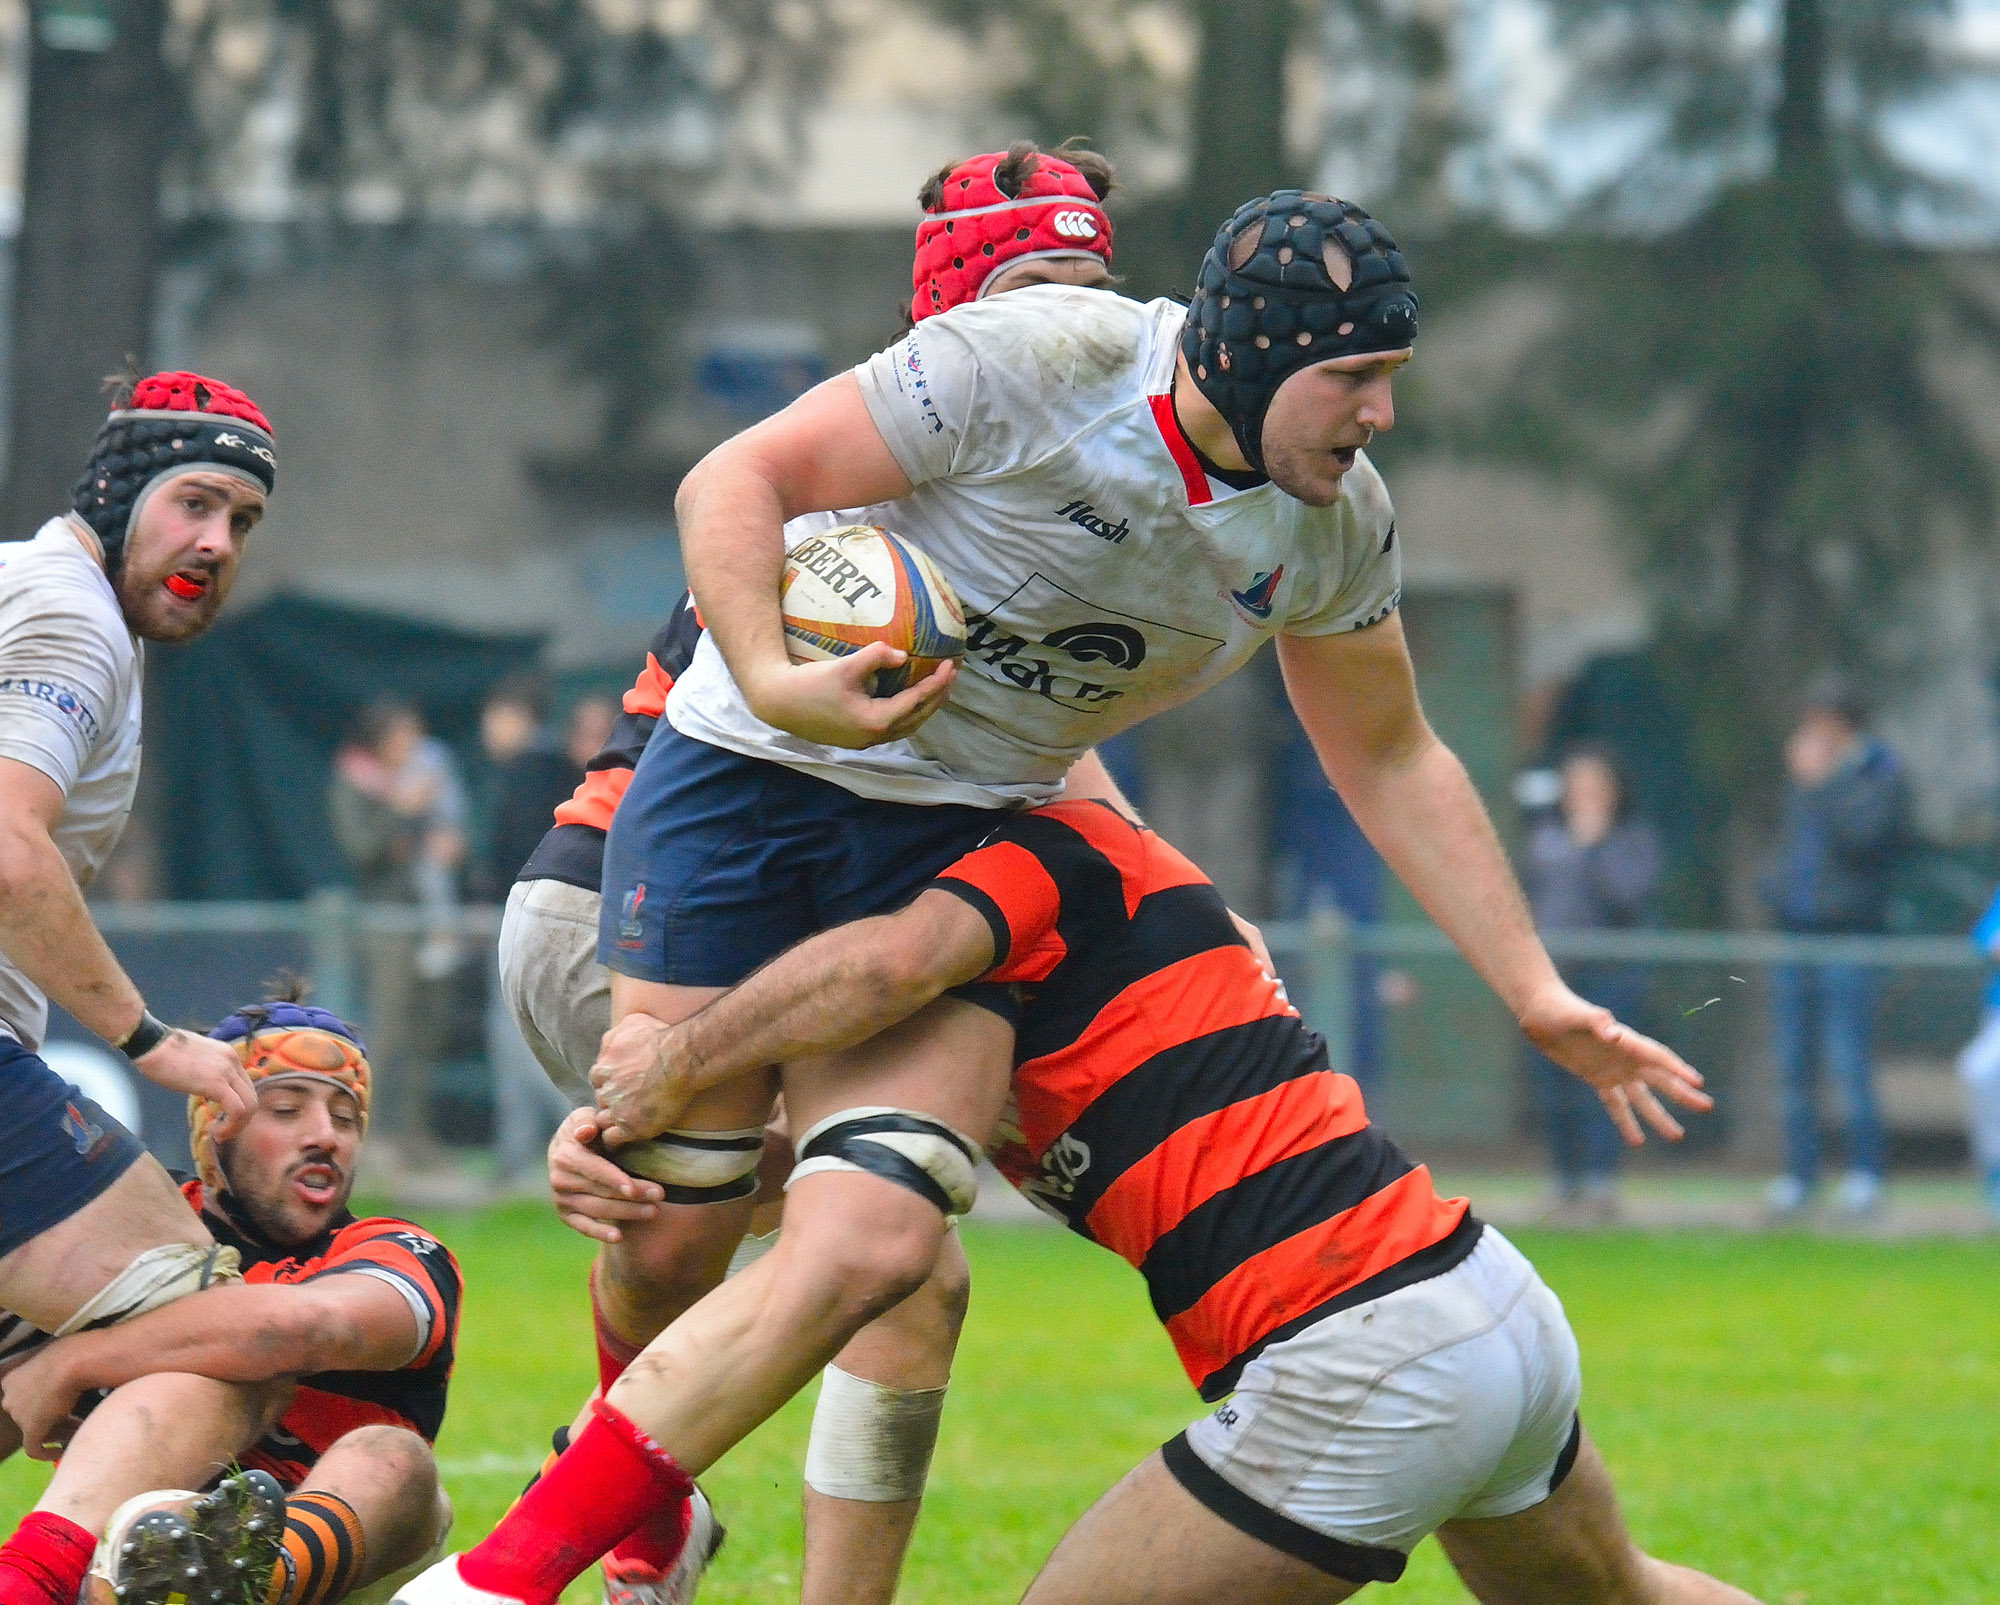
[[1428, 822], [832, 992], [258, 1334], [731, 520], [46, 930]]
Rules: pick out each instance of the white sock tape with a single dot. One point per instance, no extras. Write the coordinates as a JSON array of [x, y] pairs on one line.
[[870, 1442]]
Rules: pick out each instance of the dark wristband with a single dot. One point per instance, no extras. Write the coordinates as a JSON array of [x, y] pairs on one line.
[[144, 1037]]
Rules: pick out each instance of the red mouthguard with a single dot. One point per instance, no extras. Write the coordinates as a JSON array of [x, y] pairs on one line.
[[187, 590]]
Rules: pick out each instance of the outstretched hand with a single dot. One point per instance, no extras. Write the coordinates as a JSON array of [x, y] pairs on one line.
[[1630, 1071], [830, 702]]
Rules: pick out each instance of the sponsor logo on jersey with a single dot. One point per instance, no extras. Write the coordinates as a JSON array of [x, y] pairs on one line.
[[1048, 640], [911, 381], [1084, 516], [1074, 225], [1063, 1165], [1381, 612], [64, 699], [631, 931], [1258, 597]]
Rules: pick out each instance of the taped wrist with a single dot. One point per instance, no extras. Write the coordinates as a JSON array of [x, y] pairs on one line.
[[144, 1037], [869, 1442]]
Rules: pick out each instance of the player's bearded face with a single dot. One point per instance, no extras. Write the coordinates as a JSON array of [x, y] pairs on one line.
[[291, 1168], [182, 555], [1320, 419]]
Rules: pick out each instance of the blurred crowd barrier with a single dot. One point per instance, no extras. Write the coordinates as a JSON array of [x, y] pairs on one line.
[[1443, 1065]]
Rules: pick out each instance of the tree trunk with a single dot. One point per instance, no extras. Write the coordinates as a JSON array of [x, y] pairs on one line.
[[84, 261], [1801, 235], [1237, 132]]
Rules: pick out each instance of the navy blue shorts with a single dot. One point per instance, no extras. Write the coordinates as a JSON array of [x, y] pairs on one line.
[[717, 863], [61, 1149]]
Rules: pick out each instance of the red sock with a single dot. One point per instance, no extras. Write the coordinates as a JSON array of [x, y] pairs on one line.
[[44, 1562], [600, 1488], [658, 1540], [614, 1353], [656, 1543]]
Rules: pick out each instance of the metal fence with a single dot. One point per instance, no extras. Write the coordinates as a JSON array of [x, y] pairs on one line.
[[1443, 1064]]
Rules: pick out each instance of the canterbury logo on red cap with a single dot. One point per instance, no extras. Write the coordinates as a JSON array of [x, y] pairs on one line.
[[1074, 225]]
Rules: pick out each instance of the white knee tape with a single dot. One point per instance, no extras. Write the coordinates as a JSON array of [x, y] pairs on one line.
[[753, 1248], [156, 1277], [870, 1442], [698, 1167], [899, 1145]]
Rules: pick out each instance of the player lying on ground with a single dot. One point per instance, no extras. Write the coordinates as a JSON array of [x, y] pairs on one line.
[[1392, 1367], [91, 1228], [1017, 218], [782, 798], [361, 1314]]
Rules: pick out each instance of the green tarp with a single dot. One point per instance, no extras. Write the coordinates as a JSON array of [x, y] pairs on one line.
[[242, 725]]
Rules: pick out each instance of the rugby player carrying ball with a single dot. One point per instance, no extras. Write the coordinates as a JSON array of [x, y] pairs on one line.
[[1030, 217], [1223, 442]]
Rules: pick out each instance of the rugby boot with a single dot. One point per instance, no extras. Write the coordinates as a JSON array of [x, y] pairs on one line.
[[213, 1548], [629, 1583], [442, 1585]]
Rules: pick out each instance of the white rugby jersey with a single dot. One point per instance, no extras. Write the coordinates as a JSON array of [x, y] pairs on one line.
[[70, 707], [1105, 576]]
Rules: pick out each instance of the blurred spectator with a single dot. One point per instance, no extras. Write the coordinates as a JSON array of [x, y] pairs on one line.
[[1845, 807], [1979, 1065], [398, 808], [589, 729], [531, 774], [1591, 867], [398, 815]]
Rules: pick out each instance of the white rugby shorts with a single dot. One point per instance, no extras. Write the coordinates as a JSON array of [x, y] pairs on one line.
[[1348, 1443], [558, 993]]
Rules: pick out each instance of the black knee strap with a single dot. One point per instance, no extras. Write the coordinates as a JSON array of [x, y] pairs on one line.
[[840, 1143]]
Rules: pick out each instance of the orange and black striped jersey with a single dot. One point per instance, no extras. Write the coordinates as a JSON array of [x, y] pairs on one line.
[[1171, 1104], [573, 850], [328, 1405]]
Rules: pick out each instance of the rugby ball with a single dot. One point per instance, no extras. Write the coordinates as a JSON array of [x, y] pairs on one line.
[[858, 584]]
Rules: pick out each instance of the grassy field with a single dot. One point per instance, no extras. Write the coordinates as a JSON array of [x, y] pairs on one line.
[[1814, 1418]]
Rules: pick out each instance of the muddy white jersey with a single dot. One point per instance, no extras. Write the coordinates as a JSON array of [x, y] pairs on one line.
[[1105, 576], [69, 707]]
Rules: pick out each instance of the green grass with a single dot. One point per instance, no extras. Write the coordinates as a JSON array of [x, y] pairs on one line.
[[1811, 1417]]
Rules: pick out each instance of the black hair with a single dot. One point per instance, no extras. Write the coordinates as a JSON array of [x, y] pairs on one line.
[[372, 722], [1841, 697], [1019, 164], [528, 692]]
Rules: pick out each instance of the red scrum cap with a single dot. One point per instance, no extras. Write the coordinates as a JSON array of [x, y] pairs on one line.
[[976, 228]]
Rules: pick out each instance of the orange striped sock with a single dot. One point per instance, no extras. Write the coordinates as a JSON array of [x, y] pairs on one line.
[[323, 1551]]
